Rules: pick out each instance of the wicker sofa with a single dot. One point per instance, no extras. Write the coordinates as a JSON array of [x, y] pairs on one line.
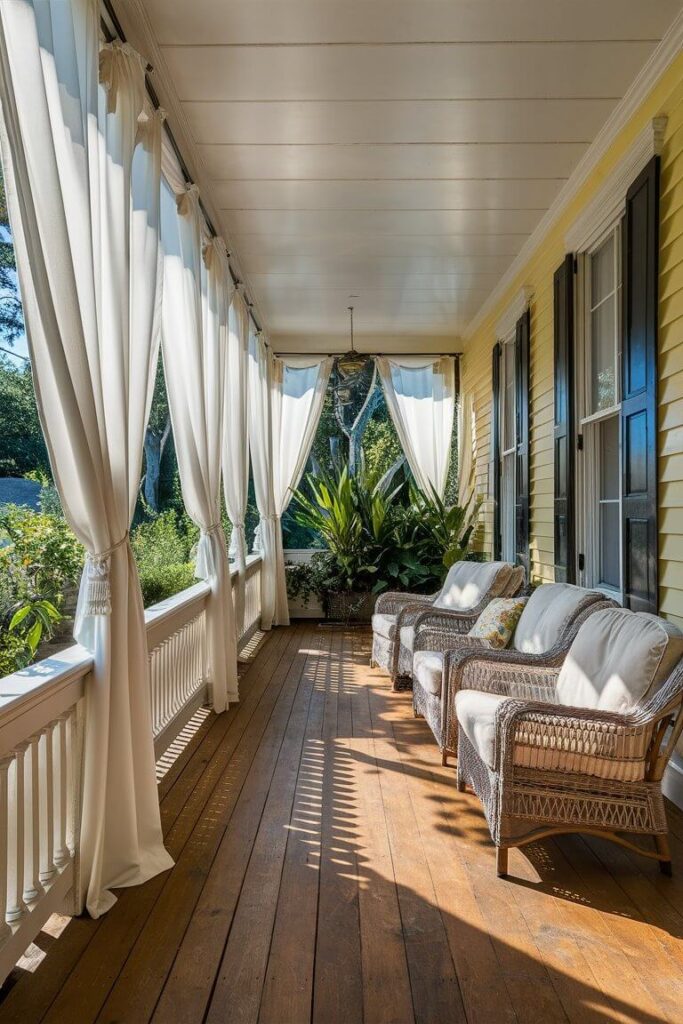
[[468, 588], [544, 633], [576, 747]]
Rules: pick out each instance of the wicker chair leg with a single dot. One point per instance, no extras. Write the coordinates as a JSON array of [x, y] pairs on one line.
[[662, 845], [502, 861], [461, 782], [444, 757]]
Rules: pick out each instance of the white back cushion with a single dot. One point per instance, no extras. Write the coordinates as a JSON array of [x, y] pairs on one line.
[[548, 612], [467, 583], [618, 658]]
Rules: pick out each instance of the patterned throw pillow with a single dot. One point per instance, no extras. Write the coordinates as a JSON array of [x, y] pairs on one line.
[[498, 621]]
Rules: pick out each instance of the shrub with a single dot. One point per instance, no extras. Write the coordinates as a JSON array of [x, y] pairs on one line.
[[43, 556], [12, 652], [159, 582], [159, 542]]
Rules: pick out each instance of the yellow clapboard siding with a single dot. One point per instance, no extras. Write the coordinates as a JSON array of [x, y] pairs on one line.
[[666, 98]]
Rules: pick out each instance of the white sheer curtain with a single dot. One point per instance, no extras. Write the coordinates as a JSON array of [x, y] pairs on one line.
[[420, 394], [194, 335], [285, 402], [236, 442], [82, 177], [298, 386], [261, 448], [467, 449]]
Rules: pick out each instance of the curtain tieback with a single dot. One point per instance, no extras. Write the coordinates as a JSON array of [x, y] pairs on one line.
[[96, 585], [210, 530], [274, 518]]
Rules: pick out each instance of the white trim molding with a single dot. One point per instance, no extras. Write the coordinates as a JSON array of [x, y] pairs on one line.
[[609, 202], [669, 48], [518, 305], [672, 783]]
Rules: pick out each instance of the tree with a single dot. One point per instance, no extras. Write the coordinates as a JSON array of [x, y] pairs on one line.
[[156, 438], [11, 313], [22, 447]]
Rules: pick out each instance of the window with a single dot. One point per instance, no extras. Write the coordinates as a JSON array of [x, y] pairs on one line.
[[599, 494], [508, 449]]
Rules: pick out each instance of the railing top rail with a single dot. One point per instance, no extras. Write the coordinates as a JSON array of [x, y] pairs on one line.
[[39, 694], [253, 562], [44, 690], [194, 595]]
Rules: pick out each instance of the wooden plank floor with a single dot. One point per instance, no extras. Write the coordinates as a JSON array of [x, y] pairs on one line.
[[327, 870]]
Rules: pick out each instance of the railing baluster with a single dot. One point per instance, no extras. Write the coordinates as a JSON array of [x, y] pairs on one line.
[[47, 805], [32, 887], [61, 854], [15, 870], [5, 930]]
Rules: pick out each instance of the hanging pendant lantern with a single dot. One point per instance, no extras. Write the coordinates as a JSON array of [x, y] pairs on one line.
[[352, 383]]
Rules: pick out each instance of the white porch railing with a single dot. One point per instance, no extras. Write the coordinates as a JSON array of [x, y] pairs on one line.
[[41, 712]]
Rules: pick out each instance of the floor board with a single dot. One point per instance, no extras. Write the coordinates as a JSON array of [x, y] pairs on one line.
[[327, 871]]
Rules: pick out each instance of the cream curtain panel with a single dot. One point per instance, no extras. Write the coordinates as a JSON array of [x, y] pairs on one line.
[[236, 442], [82, 170], [194, 338], [467, 450], [298, 386], [261, 448], [420, 394], [285, 402]]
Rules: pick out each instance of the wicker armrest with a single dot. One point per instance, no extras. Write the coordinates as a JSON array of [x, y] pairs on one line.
[[582, 735], [448, 621], [391, 602], [435, 638], [511, 673]]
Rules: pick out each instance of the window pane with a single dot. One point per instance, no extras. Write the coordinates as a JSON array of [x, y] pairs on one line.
[[602, 272], [508, 509], [509, 423], [609, 458], [603, 375], [610, 544]]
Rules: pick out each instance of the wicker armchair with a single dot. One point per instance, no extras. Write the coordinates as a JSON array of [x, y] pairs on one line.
[[542, 638], [468, 588], [580, 747]]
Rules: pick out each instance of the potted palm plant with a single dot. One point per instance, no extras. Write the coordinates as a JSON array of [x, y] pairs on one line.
[[380, 533]]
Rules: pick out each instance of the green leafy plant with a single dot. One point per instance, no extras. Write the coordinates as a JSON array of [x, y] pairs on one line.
[[33, 620], [380, 531], [42, 553]]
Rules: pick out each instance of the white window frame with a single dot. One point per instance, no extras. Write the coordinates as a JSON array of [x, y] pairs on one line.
[[508, 456], [587, 422]]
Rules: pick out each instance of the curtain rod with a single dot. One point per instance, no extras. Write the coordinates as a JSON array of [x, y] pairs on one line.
[[390, 355], [151, 91]]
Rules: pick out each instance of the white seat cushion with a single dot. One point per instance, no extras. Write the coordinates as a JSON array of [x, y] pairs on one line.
[[428, 671], [476, 711], [467, 583], [384, 625], [408, 637], [548, 613], [617, 659]]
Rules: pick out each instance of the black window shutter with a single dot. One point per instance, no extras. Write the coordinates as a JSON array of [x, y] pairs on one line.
[[495, 448], [522, 339], [640, 251], [563, 437]]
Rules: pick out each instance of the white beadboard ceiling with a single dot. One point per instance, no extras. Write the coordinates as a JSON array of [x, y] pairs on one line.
[[399, 153]]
